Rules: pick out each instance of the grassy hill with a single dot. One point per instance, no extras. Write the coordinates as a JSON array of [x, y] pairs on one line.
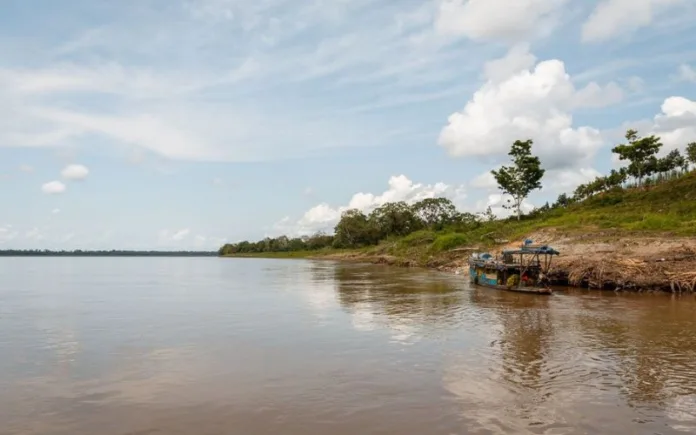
[[623, 238], [667, 209]]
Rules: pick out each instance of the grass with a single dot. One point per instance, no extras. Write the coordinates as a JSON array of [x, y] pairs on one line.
[[666, 208]]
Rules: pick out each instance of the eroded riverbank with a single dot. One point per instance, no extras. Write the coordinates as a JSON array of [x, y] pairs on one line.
[[602, 260]]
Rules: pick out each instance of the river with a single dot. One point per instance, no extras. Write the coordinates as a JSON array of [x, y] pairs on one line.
[[116, 346]]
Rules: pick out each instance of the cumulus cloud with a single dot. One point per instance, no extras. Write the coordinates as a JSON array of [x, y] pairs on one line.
[[517, 59], [496, 19], [676, 124], [613, 17], [532, 103], [75, 172], [323, 217], [497, 201], [53, 187]]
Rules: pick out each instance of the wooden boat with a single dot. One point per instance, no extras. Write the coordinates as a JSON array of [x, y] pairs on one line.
[[521, 270]]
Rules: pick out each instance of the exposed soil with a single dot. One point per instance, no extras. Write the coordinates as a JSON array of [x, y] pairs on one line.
[[595, 259]]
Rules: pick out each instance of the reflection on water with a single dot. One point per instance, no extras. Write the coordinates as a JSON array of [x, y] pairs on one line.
[[212, 346]]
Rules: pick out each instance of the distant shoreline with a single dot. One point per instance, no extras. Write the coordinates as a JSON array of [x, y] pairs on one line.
[[110, 253]]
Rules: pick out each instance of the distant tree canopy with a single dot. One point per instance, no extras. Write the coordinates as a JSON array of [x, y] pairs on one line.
[[356, 229], [101, 253]]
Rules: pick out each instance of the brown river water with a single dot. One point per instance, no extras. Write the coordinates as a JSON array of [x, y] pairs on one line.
[[116, 346]]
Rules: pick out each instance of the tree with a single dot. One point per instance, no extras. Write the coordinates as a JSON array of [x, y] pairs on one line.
[[520, 180], [395, 218], [691, 152], [616, 178], [354, 230], [640, 152], [435, 212], [562, 201]]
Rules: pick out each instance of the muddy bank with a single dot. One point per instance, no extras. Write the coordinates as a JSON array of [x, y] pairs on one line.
[[602, 260]]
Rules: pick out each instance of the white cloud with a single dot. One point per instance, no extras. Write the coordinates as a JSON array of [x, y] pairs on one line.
[[566, 180], [208, 98], [485, 181], [676, 124], [517, 59], [532, 104], [686, 73], [55, 211], [612, 18], [181, 234], [323, 217], [53, 187], [496, 201], [75, 172], [497, 19]]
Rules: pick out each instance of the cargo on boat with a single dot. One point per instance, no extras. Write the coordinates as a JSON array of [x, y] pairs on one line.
[[521, 270]]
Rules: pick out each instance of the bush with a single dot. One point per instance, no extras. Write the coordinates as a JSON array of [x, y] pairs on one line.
[[445, 242]]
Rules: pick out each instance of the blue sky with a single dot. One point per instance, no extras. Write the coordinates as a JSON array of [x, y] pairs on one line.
[[181, 124]]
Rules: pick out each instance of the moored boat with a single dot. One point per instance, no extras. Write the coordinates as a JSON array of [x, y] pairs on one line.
[[521, 270]]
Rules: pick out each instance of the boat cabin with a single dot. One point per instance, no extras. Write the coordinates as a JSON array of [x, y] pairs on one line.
[[525, 267]]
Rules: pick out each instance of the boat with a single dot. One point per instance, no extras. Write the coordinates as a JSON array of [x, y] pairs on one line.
[[522, 270]]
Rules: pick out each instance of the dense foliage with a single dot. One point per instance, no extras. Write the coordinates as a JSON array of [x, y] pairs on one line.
[[437, 222]]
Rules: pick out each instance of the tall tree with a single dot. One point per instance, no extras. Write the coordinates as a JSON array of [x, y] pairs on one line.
[[523, 177], [354, 230], [395, 218], [640, 152], [435, 212], [691, 152]]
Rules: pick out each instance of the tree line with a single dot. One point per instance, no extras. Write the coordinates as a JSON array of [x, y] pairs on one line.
[[102, 253], [357, 229]]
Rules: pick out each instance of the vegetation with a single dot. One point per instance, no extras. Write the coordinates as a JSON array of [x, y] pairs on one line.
[[520, 180], [651, 194], [111, 253]]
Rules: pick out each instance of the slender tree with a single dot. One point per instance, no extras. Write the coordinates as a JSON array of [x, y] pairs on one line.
[[640, 152], [524, 176]]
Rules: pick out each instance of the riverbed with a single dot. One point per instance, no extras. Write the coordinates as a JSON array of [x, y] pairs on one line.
[[116, 346]]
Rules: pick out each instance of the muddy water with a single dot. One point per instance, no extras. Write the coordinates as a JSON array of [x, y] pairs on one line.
[[253, 347]]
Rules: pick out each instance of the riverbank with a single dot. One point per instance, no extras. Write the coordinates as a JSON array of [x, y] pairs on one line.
[[601, 259], [605, 259], [637, 239]]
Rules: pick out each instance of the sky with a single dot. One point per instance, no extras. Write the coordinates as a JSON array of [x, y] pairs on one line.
[[184, 124]]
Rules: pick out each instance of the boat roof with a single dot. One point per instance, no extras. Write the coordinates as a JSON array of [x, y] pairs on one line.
[[544, 250]]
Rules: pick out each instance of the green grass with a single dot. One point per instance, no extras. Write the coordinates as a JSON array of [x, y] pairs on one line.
[[667, 208]]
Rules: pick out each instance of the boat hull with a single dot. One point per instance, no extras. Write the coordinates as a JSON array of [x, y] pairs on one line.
[[530, 290]]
